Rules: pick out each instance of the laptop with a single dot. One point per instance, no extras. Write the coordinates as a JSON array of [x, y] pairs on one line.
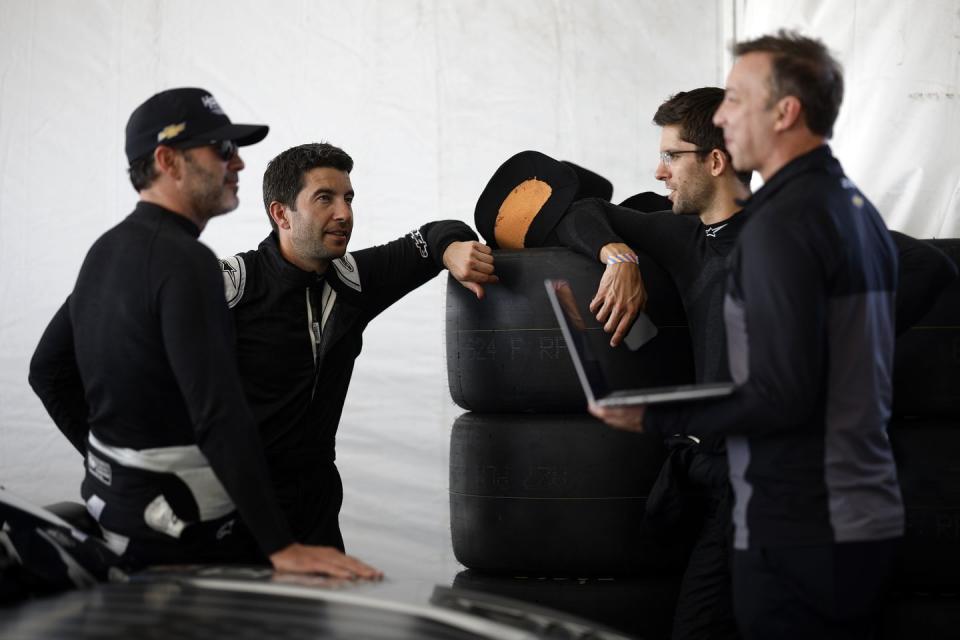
[[596, 386]]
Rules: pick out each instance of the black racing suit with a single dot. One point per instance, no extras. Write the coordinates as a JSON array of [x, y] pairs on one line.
[[138, 370], [298, 335], [695, 255]]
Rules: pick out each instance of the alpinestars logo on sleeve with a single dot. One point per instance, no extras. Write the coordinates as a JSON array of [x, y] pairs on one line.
[[234, 271], [229, 272], [420, 242]]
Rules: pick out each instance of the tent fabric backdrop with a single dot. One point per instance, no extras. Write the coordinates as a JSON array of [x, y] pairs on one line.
[[899, 127], [429, 97]]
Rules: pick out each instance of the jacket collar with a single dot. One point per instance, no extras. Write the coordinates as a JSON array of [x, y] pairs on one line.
[[288, 273], [820, 159], [151, 211], [726, 226]]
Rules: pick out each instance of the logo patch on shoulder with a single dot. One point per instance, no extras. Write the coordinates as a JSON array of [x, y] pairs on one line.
[[346, 268], [234, 271]]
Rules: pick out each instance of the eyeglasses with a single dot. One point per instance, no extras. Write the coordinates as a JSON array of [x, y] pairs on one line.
[[667, 157], [225, 149]]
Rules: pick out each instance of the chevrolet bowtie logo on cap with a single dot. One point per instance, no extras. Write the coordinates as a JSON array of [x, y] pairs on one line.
[[171, 131], [184, 115]]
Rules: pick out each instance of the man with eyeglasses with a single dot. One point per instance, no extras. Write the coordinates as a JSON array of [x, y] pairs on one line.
[[138, 368], [692, 242]]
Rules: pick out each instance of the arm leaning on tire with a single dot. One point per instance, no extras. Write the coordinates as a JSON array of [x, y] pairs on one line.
[[471, 264], [620, 295], [598, 229]]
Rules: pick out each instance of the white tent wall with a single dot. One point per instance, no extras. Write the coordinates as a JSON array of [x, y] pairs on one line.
[[429, 97], [899, 127]]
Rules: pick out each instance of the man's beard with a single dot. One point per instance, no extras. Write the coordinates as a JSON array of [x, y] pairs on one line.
[[314, 249], [206, 192], [695, 197], [311, 245]]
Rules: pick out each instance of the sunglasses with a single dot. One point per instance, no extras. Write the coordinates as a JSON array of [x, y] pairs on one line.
[[225, 149]]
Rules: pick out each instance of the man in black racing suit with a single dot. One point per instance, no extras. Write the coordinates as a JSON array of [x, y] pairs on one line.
[[301, 304], [138, 370]]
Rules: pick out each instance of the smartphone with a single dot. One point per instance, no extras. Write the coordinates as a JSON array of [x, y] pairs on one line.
[[642, 332]]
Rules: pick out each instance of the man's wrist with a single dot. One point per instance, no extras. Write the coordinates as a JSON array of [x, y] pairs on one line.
[[617, 253], [620, 258]]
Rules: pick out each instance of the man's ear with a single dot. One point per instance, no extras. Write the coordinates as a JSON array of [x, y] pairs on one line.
[[167, 160], [718, 162], [789, 112], [278, 212]]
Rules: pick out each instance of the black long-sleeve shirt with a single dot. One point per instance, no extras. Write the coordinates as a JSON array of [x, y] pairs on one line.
[[142, 355], [694, 254]]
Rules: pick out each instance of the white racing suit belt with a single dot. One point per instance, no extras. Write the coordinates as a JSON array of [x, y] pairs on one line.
[[186, 462]]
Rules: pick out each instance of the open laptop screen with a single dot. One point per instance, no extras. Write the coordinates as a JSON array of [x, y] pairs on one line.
[[580, 339], [587, 343]]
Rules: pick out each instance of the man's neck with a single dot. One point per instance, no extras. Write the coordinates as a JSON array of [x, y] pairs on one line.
[[312, 265], [790, 148], [724, 203], [172, 204]]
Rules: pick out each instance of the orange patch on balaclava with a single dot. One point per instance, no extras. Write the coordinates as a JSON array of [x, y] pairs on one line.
[[517, 212]]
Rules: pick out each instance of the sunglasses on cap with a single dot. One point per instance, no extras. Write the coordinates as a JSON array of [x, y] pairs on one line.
[[225, 149]]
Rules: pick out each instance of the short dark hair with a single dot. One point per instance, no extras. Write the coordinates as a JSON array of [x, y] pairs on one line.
[[802, 67], [283, 179], [693, 112], [142, 171]]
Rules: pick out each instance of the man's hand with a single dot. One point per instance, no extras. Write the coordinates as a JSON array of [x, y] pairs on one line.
[[471, 263], [301, 558], [626, 418], [620, 296]]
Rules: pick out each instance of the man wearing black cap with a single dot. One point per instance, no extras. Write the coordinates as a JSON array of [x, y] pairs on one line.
[[138, 367]]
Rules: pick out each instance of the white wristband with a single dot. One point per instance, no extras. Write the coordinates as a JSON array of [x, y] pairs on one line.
[[623, 257]]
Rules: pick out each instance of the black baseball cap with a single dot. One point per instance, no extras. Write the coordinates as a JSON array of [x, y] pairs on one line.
[[184, 115]]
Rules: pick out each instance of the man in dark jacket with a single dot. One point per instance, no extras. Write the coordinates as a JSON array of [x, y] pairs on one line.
[[300, 305], [692, 243], [809, 312]]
